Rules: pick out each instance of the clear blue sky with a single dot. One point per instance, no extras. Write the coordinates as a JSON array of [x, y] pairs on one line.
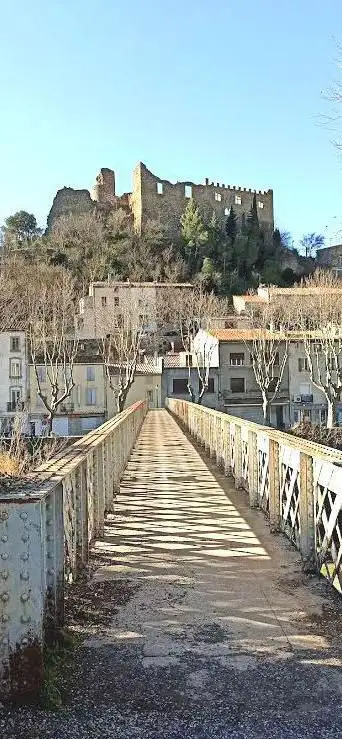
[[226, 90]]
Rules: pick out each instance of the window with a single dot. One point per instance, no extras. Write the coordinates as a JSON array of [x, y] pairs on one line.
[[41, 375], [180, 386], [159, 188], [116, 301], [211, 385], [236, 359], [15, 398], [323, 417], [260, 204], [91, 396], [218, 197], [188, 191], [188, 360], [237, 384], [90, 374], [303, 364], [15, 343], [226, 211], [273, 384], [15, 367], [238, 200], [103, 301]]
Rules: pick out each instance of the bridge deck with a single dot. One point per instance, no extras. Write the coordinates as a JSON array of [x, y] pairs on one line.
[[219, 633]]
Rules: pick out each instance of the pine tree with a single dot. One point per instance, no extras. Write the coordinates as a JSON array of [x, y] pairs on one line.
[[194, 235]]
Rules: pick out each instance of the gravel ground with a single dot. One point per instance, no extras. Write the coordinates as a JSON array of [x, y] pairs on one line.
[[196, 622]]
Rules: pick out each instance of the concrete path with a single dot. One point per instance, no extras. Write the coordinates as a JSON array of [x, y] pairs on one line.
[[219, 634]]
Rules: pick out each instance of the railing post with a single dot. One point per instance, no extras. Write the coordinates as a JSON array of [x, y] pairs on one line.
[[274, 477], [253, 468], [307, 507], [238, 456], [226, 449]]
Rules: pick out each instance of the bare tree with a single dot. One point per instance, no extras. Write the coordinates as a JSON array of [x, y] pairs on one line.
[[317, 313], [49, 301], [124, 335], [268, 343], [190, 310]]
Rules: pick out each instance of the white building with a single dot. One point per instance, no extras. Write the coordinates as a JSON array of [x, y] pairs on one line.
[[130, 301], [13, 377]]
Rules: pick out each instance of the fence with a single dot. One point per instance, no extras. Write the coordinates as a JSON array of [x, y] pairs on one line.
[[46, 528], [298, 484]]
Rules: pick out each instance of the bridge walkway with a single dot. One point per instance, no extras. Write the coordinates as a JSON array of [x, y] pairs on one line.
[[201, 622]]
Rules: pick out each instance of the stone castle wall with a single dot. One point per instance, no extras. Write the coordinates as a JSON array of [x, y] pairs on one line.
[[158, 199], [153, 198]]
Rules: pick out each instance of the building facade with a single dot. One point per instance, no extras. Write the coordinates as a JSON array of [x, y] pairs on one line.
[[237, 392], [13, 378], [331, 257]]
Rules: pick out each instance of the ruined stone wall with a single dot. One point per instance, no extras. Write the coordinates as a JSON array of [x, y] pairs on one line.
[[155, 198], [68, 201], [104, 189]]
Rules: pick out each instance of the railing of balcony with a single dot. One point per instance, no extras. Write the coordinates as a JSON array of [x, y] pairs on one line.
[[297, 483], [46, 528]]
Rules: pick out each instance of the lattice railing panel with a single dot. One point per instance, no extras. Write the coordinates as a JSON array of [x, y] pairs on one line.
[[263, 472], [289, 464], [232, 448], [245, 455], [328, 520]]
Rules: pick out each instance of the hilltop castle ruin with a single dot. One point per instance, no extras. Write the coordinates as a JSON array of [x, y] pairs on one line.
[[158, 199]]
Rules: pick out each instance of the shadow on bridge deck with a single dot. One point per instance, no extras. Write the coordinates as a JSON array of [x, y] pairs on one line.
[[219, 633]]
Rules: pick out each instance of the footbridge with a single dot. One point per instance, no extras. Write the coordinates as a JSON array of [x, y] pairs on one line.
[[228, 536]]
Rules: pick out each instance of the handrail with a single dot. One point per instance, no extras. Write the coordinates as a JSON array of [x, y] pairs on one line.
[[47, 526]]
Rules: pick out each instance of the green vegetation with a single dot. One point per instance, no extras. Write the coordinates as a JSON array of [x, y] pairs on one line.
[[57, 659], [227, 255]]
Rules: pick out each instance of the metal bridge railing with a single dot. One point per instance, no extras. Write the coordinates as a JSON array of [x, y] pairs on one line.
[[297, 483], [46, 528]]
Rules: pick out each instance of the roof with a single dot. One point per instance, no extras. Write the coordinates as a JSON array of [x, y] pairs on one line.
[[236, 334], [118, 283], [251, 298]]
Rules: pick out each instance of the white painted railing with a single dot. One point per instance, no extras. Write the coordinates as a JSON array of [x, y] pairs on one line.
[[298, 484], [46, 528]]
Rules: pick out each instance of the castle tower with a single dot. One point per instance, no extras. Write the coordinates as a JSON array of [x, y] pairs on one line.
[[104, 190]]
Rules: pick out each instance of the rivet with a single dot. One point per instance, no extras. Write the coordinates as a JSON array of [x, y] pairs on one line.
[[5, 618], [23, 516], [4, 574], [24, 556], [24, 597], [49, 537], [49, 555], [49, 521], [25, 619], [24, 575], [25, 537], [5, 597], [4, 537], [4, 555], [4, 516]]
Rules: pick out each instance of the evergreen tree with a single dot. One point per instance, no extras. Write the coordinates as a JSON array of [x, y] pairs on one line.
[[194, 235]]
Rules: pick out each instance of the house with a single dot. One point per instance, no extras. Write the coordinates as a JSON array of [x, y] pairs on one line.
[[85, 409], [147, 386], [13, 378], [133, 302], [178, 369], [238, 393]]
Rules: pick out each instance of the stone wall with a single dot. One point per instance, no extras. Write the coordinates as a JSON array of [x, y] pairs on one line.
[[69, 202], [158, 199]]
